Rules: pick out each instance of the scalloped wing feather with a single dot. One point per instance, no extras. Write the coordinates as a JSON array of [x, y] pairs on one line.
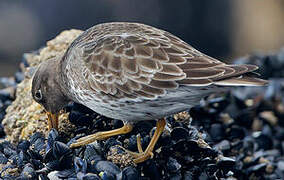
[[131, 59]]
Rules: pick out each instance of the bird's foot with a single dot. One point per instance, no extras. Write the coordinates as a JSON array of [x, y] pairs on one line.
[[142, 155], [101, 135], [148, 153]]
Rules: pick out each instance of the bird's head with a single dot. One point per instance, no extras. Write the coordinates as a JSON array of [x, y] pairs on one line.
[[47, 91]]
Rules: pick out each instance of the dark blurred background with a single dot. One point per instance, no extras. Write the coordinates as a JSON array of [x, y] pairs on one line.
[[222, 29]]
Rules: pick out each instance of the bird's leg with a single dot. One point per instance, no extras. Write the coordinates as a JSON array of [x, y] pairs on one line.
[[102, 135], [148, 153]]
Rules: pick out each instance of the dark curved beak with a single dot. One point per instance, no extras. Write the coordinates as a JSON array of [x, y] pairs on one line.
[[52, 120]]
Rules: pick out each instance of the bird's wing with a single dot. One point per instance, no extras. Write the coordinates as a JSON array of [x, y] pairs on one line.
[[136, 60]]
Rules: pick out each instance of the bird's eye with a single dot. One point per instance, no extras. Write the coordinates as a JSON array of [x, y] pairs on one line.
[[38, 95]]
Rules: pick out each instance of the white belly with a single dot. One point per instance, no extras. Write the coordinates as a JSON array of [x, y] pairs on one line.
[[173, 102]]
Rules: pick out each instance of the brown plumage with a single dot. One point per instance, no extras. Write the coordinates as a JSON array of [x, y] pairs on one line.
[[135, 54], [133, 72]]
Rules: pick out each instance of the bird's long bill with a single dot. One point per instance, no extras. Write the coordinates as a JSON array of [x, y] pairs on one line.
[[52, 120]]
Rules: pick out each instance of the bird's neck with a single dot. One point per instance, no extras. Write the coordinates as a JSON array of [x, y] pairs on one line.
[[54, 68], [61, 77]]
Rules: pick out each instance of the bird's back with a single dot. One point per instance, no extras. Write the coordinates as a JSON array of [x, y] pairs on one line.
[[115, 67]]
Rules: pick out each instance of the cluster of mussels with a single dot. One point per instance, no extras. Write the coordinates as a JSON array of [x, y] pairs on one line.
[[239, 135]]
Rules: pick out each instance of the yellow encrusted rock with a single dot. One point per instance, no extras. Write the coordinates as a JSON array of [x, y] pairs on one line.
[[24, 116]]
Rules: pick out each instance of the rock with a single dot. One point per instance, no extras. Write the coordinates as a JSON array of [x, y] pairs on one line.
[[188, 175], [7, 82], [64, 174], [179, 133], [236, 132], [30, 116], [151, 170], [80, 165], [280, 165], [90, 176], [53, 175], [129, 173], [119, 156], [226, 162], [172, 165], [2, 132], [259, 168], [3, 159], [106, 166], [91, 155], [19, 77], [23, 145], [223, 146], [63, 154], [269, 116], [176, 176], [110, 143], [7, 94], [263, 141], [28, 172], [182, 116], [9, 169], [217, 132]]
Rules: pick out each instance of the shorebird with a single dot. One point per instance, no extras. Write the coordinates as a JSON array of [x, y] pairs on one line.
[[132, 72]]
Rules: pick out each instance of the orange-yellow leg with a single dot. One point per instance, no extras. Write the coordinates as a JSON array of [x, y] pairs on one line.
[[102, 135], [148, 153], [52, 120]]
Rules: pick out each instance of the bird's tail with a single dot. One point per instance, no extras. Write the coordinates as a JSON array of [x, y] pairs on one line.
[[244, 80]]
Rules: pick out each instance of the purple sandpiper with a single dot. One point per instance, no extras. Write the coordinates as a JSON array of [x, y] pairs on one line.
[[132, 72]]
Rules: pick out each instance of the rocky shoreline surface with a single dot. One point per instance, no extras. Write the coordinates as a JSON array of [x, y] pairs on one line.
[[237, 135]]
